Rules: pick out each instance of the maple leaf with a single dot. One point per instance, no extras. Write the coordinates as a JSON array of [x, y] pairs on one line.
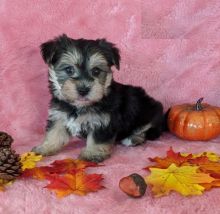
[[171, 157], [210, 155], [29, 160], [213, 168], [206, 166], [185, 180], [40, 173], [68, 165], [57, 167], [208, 186], [78, 183], [197, 161]]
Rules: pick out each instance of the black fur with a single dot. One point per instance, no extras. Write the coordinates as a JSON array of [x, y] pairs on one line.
[[113, 112], [129, 108], [53, 49]]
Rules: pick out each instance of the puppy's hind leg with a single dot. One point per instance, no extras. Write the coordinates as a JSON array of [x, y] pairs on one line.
[[56, 137], [138, 137]]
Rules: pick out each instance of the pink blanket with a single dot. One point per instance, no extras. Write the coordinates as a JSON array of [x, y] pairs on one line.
[[170, 47]]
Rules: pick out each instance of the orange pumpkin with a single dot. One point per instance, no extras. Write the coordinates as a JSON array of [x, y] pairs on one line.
[[195, 122]]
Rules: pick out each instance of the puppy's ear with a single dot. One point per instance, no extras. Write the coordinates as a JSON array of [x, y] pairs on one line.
[[51, 47], [48, 50], [111, 52]]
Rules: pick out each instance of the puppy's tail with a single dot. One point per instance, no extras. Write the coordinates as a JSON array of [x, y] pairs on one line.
[[165, 121]]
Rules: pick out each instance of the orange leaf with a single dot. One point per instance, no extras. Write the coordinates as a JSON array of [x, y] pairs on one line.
[[213, 168], [67, 165], [199, 160], [208, 186], [78, 183], [172, 157], [38, 172], [57, 167]]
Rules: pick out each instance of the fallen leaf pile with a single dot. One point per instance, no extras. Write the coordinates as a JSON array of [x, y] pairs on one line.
[[66, 176], [188, 174]]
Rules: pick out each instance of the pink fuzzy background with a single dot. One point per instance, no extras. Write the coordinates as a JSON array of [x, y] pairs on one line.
[[170, 47]]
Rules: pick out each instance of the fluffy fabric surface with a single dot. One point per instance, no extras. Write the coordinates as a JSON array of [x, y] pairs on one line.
[[170, 47]]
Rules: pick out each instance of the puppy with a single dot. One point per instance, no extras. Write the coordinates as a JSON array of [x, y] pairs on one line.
[[86, 101]]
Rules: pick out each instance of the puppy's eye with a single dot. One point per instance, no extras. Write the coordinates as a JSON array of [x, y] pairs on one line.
[[69, 70], [96, 71]]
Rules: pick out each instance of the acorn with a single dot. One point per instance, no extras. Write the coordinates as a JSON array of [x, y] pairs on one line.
[[133, 185]]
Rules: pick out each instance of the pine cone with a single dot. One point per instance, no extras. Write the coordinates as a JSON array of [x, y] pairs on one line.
[[10, 166], [5, 140]]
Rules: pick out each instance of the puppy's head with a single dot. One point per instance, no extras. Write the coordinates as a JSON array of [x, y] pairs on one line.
[[80, 70]]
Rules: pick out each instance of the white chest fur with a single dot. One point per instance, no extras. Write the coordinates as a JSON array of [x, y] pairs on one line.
[[86, 122]]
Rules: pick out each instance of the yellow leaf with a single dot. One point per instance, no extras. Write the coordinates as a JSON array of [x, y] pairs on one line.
[[210, 155], [29, 160], [184, 180], [4, 183]]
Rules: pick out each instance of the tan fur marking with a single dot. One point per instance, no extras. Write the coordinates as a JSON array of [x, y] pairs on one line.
[[69, 90], [97, 91], [55, 139], [96, 151], [97, 59]]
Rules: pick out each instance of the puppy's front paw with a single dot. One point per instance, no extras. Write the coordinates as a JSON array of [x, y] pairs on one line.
[[42, 150], [93, 157]]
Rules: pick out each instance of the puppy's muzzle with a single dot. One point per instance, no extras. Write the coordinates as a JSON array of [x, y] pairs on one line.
[[83, 91]]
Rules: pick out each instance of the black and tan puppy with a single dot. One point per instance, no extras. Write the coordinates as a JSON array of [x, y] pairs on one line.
[[87, 102]]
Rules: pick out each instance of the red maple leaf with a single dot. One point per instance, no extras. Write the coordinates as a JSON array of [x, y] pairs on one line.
[[68, 165], [58, 167], [171, 157], [38, 172], [78, 183]]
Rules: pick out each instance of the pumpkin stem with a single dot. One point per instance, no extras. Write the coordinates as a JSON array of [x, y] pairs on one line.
[[199, 104]]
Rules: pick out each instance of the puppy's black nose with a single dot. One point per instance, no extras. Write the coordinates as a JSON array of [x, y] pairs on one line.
[[83, 91]]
